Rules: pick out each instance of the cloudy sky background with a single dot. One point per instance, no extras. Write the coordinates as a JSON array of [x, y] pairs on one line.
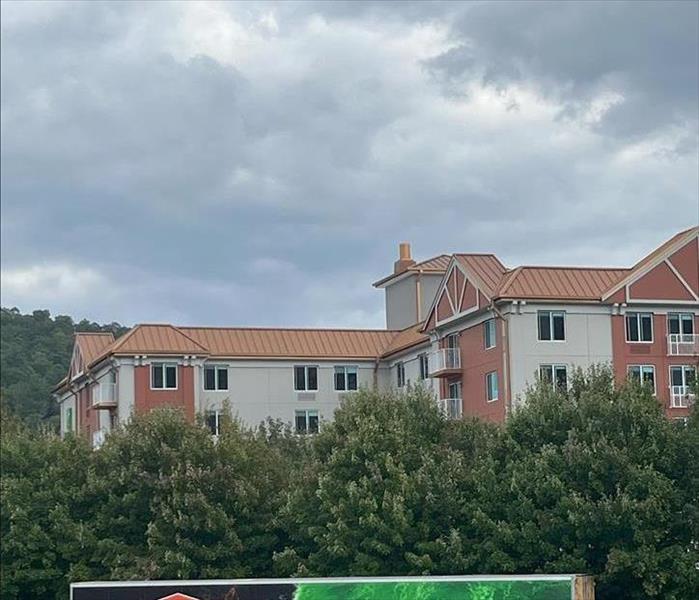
[[258, 163]]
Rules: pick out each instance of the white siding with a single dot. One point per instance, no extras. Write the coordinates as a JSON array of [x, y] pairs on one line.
[[588, 341], [401, 303], [125, 390], [411, 365]]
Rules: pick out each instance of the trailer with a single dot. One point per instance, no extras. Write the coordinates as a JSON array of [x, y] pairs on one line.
[[467, 587]]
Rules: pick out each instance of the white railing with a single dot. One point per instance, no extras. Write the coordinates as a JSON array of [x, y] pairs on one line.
[[681, 396], [450, 407], [683, 344], [446, 359], [98, 437], [104, 394]]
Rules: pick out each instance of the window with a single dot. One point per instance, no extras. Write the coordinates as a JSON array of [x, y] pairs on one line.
[[453, 341], [644, 374], [69, 420], [455, 390], [424, 366], [306, 379], [552, 327], [400, 374], [216, 378], [554, 375], [306, 421], [683, 376], [213, 422], [113, 420], [639, 327], [163, 376], [491, 386], [489, 333], [680, 323], [345, 379]]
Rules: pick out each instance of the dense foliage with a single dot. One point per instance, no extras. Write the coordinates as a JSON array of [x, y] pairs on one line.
[[35, 352], [594, 481]]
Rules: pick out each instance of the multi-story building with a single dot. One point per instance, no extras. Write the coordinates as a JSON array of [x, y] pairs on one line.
[[473, 331]]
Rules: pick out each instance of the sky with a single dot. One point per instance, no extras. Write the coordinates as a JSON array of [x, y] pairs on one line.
[[258, 163]]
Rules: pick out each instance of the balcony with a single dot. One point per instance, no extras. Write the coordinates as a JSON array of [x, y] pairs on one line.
[[683, 344], [681, 396], [445, 362], [451, 408], [104, 395]]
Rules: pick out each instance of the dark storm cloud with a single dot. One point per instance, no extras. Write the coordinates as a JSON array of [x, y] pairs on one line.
[[256, 163]]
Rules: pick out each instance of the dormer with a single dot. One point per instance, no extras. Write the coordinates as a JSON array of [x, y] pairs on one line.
[[411, 288]]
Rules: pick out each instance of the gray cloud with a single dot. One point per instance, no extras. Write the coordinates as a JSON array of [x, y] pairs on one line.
[[256, 163]]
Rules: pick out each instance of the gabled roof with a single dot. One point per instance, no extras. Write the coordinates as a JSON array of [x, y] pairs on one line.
[[92, 345], [486, 268], [405, 339], [652, 259], [435, 265], [558, 283]]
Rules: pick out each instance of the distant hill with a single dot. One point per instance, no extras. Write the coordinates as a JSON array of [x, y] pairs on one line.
[[35, 351]]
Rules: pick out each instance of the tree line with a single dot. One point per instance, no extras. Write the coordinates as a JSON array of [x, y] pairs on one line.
[[594, 480]]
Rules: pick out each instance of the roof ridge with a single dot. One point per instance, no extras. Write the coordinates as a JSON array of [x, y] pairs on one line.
[[178, 330], [574, 267], [94, 333], [254, 328], [508, 279]]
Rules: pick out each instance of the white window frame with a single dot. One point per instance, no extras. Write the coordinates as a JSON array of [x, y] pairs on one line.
[[400, 374], [554, 368], [305, 378], [641, 370], [346, 370], [639, 314], [216, 369], [684, 368], [680, 318], [163, 365], [307, 414], [424, 364], [492, 375], [490, 326], [217, 419], [551, 314]]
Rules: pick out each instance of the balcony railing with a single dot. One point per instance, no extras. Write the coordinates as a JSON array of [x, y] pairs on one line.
[[683, 344], [451, 407], [104, 395], [681, 396], [444, 362]]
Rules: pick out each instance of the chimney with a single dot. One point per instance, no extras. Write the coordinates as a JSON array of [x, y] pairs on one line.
[[404, 260]]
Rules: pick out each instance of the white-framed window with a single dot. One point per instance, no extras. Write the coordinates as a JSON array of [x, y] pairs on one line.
[[639, 327], [306, 378], [424, 365], [454, 390], [682, 376], [69, 420], [306, 421], [680, 323], [216, 378], [163, 376], [453, 341], [489, 338], [400, 374], [554, 375], [644, 374], [551, 325], [491, 386], [212, 419], [345, 379]]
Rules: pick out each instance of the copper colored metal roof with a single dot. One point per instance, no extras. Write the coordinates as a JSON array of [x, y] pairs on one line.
[[155, 339], [559, 283], [407, 338], [486, 267], [292, 343], [436, 264], [92, 344]]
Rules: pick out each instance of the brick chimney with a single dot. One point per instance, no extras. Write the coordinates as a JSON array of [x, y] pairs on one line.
[[404, 260]]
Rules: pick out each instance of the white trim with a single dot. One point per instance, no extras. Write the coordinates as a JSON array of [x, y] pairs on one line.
[[487, 387], [306, 411], [641, 367], [682, 280], [551, 313], [163, 364], [638, 314], [305, 377], [216, 368], [495, 334], [345, 373]]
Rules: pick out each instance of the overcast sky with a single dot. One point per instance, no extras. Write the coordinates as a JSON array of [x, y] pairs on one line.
[[258, 163]]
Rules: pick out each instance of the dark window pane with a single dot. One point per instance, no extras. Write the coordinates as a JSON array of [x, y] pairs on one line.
[[688, 325], [676, 375], [352, 380], [222, 379], [649, 377], [562, 379], [544, 326], [546, 374], [157, 372], [211, 423], [635, 373], [209, 374], [312, 378], [339, 379], [646, 328], [313, 422], [299, 378], [171, 376], [559, 332], [300, 422], [631, 328], [673, 324]]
